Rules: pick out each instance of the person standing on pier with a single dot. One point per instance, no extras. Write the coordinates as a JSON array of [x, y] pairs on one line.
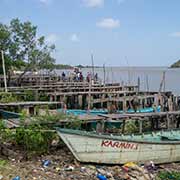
[[63, 75]]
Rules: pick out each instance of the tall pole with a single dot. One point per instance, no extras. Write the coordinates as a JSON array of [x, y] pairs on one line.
[[164, 80], [129, 81], [147, 83], [92, 60], [104, 72], [139, 83], [112, 75], [4, 70]]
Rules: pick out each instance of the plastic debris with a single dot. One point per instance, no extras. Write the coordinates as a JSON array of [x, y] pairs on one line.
[[101, 171], [91, 167], [58, 168], [16, 178], [130, 164], [150, 166], [126, 169], [101, 177], [70, 168], [46, 163], [83, 169], [109, 175], [1, 177]]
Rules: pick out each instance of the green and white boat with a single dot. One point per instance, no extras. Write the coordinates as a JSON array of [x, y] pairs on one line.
[[160, 147]]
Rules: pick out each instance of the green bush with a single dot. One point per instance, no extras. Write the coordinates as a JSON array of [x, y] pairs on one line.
[[43, 97], [165, 175], [33, 139], [29, 95], [6, 135], [131, 127], [6, 97], [36, 138]]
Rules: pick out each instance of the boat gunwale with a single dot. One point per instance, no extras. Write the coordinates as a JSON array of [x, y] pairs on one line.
[[108, 137]]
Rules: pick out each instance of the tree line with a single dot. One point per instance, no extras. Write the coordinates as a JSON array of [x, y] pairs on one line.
[[23, 49]]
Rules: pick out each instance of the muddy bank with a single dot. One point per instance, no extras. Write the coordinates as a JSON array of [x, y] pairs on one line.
[[61, 165]]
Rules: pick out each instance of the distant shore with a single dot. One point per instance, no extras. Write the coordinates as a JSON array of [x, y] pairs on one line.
[[176, 64]]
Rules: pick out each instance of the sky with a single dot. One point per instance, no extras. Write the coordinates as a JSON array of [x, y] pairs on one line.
[[116, 32]]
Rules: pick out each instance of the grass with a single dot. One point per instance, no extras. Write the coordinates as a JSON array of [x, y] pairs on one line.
[[166, 175]]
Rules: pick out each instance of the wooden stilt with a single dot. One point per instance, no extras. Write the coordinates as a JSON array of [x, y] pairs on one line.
[[123, 126], [140, 125]]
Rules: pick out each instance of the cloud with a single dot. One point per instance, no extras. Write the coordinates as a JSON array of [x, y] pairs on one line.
[[93, 3], [52, 38], [175, 34], [46, 2], [108, 23], [74, 37]]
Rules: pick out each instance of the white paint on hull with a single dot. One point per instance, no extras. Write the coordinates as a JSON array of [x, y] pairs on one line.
[[92, 149]]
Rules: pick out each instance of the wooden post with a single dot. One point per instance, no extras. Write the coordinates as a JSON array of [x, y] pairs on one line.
[[162, 82], [170, 104], [145, 101], [178, 122], [141, 103], [156, 123], [139, 84], [51, 98], [147, 83], [80, 101], [89, 97], [156, 101], [100, 127], [152, 123], [140, 125], [167, 121], [123, 126], [55, 97], [104, 73], [36, 95], [92, 59], [64, 99], [75, 102], [173, 120], [103, 97], [124, 103], [4, 71], [161, 101]]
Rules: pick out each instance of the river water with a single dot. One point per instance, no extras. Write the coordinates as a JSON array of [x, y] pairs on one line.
[[150, 77]]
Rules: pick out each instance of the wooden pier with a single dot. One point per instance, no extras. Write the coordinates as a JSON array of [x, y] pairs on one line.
[[29, 107], [89, 95], [158, 120], [78, 95]]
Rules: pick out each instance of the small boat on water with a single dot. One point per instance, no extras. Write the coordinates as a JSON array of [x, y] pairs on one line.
[[160, 147], [105, 111]]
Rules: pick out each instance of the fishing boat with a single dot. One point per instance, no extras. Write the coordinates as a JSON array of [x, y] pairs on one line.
[[7, 114], [160, 147], [77, 112]]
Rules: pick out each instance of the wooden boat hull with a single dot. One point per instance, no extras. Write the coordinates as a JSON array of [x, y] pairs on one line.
[[87, 148], [8, 114]]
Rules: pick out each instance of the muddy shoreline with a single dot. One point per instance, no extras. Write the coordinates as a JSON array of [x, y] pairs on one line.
[[63, 166]]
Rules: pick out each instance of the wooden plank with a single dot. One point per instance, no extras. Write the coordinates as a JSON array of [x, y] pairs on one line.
[[139, 115], [29, 103], [120, 99]]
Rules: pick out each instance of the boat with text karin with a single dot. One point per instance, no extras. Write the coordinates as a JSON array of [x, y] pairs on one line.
[[160, 147]]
